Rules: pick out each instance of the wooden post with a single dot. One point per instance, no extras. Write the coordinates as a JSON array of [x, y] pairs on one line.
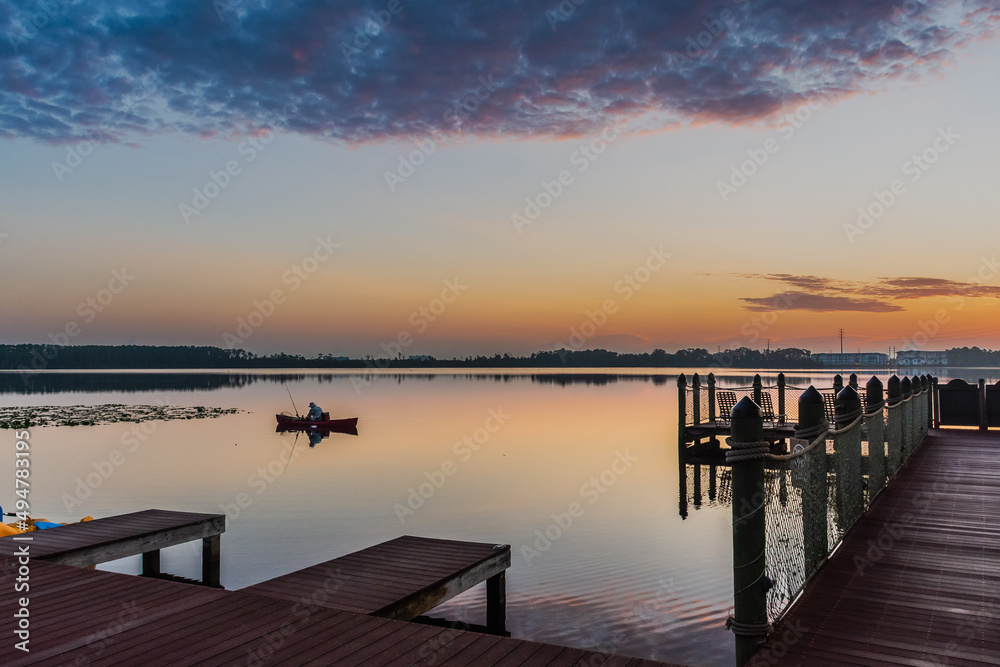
[[853, 381], [937, 403], [838, 384], [814, 516], [682, 481], [681, 411], [847, 452], [750, 597], [211, 552], [893, 426], [781, 398], [876, 437], [151, 563], [925, 404], [496, 604], [906, 391], [681, 438], [894, 390], [696, 399], [873, 392], [930, 401], [712, 472], [711, 397], [983, 419], [697, 485], [758, 389]]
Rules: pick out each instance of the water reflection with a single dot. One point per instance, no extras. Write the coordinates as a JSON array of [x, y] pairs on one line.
[[317, 435], [137, 381]]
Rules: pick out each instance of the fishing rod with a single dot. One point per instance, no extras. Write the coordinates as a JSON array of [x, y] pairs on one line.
[[290, 396]]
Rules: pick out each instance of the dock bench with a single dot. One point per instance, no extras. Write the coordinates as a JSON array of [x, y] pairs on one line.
[[102, 540], [400, 579]]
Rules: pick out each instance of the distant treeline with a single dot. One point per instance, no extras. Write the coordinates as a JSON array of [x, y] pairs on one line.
[[973, 356], [106, 357]]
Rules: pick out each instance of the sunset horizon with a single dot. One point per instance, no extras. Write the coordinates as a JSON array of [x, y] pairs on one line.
[[331, 180]]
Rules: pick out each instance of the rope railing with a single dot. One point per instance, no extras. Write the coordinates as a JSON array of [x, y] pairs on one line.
[[813, 494]]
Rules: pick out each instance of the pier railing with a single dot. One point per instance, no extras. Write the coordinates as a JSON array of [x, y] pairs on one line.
[[792, 505], [705, 402]]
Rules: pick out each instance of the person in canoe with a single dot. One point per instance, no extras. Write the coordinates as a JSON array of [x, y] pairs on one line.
[[315, 412]]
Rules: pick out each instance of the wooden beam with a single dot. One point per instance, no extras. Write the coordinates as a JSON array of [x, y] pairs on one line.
[[151, 563], [427, 598], [88, 555], [211, 552], [496, 604]]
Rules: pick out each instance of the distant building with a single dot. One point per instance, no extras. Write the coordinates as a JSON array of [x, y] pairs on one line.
[[852, 359], [921, 358], [419, 357]]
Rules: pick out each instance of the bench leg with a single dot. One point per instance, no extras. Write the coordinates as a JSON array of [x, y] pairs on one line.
[[496, 604], [151, 563], [211, 549]]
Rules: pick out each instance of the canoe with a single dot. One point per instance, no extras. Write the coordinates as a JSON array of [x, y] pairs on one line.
[[291, 422]]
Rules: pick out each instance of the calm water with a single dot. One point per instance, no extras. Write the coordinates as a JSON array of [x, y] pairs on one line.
[[492, 458]]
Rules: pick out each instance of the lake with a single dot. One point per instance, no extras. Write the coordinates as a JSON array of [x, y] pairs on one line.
[[578, 472]]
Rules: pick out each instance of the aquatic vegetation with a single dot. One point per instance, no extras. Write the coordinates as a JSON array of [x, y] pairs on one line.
[[96, 415]]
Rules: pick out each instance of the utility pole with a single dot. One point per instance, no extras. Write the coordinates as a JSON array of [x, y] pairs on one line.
[[841, 343]]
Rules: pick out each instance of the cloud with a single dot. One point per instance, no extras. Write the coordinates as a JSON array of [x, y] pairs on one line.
[[880, 295], [820, 303], [372, 70]]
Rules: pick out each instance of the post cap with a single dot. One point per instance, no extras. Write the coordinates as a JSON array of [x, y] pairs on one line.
[[811, 395], [746, 409]]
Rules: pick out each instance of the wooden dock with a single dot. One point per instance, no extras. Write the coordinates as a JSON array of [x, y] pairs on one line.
[[917, 580], [335, 613], [139, 533], [402, 579]]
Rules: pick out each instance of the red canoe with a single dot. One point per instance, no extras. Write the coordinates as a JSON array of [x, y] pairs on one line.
[[289, 421]]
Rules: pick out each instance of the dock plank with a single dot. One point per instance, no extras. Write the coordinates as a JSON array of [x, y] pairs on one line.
[[930, 594], [75, 616], [401, 578]]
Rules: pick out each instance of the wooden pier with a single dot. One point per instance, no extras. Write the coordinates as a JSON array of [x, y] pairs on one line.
[[917, 580], [342, 612], [402, 579], [139, 533]]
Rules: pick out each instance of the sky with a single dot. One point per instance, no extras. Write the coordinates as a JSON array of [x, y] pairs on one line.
[[466, 177]]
